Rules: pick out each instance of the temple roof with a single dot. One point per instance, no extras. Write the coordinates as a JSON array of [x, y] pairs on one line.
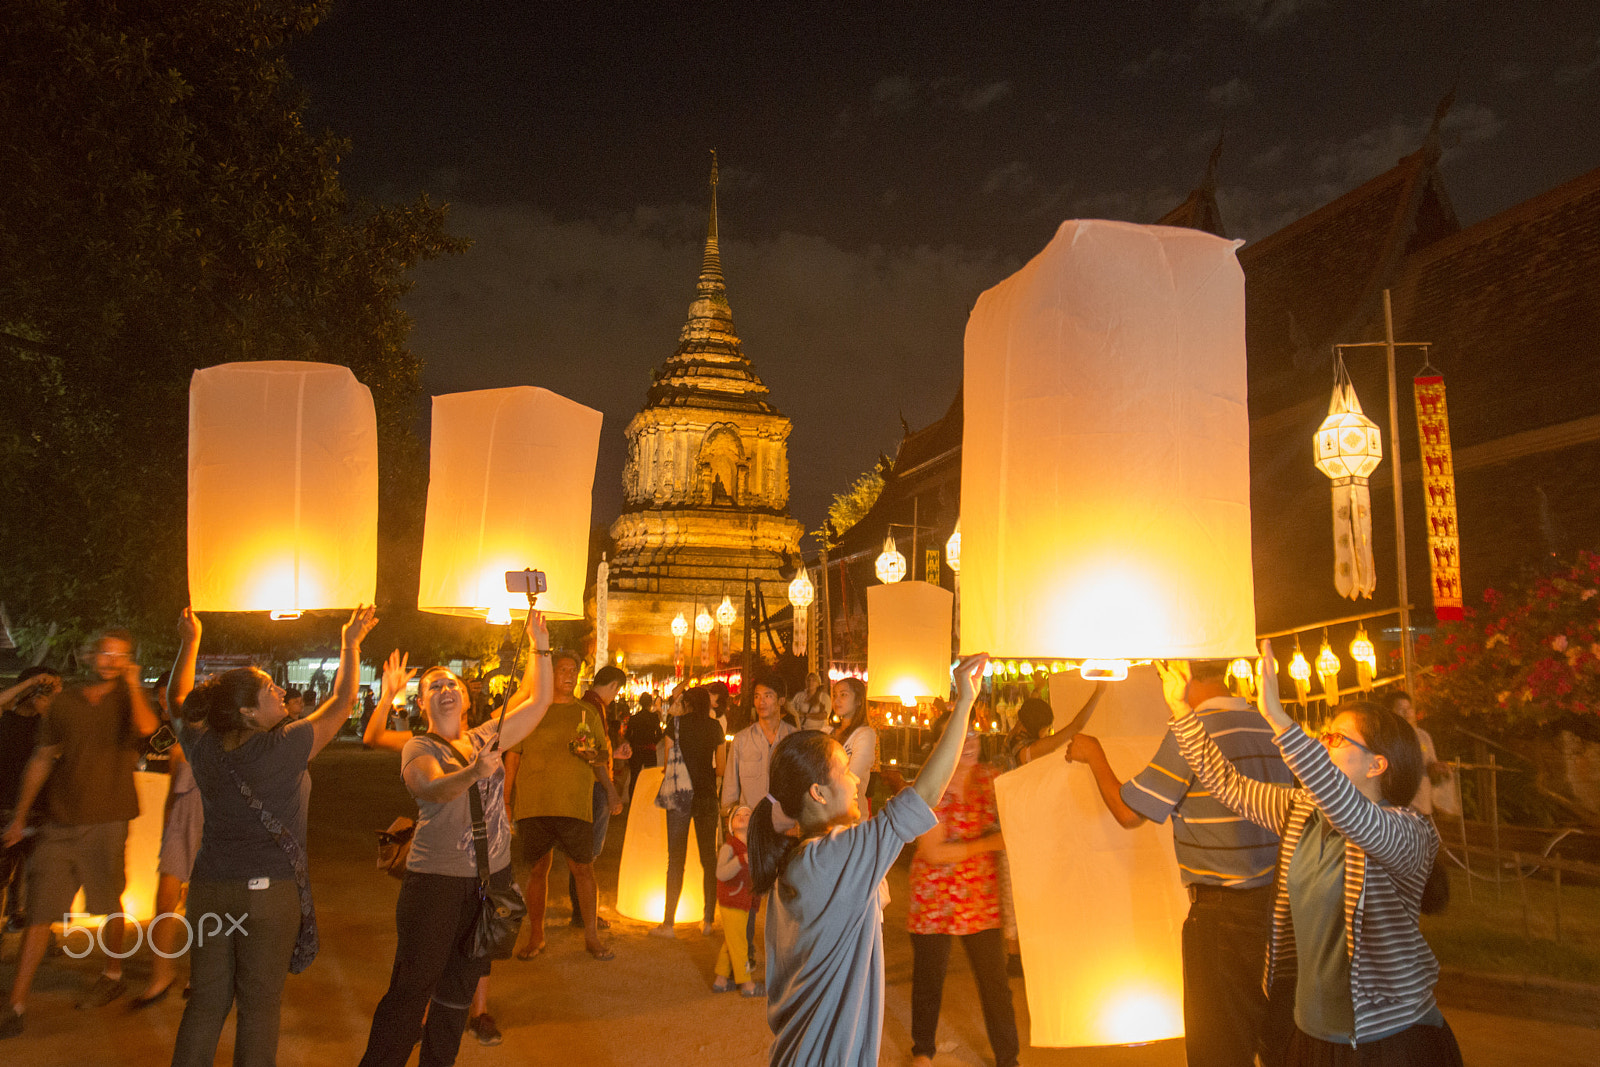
[[1200, 211], [710, 369]]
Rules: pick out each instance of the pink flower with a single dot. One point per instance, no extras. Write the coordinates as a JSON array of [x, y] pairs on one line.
[[1559, 642]]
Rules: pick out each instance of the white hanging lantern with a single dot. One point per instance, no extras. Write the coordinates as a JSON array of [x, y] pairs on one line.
[[510, 476], [702, 626], [908, 642], [801, 595], [891, 565], [1300, 672], [1348, 449], [726, 616], [680, 630], [1243, 677], [1105, 466], [602, 610], [1328, 672], [283, 488], [1366, 657], [952, 550]]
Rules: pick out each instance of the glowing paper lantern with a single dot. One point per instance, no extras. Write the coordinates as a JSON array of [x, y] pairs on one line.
[[602, 610], [725, 619], [642, 877], [1348, 449], [891, 565], [283, 488], [1243, 678], [140, 857], [1366, 657], [1122, 983], [1300, 671], [1328, 672], [952, 550], [1105, 466], [509, 481], [801, 595], [908, 642]]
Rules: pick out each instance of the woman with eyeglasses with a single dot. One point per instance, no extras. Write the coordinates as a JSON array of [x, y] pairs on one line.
[[1353, 864]]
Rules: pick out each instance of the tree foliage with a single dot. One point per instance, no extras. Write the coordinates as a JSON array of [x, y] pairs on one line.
[[849, 506], [165, 208], [1525, 657]]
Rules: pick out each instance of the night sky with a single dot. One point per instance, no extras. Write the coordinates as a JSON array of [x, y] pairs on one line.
[[882, 164]]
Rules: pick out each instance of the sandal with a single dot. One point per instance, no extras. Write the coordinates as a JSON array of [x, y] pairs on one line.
[[603, 955], [722, 985], [757, 989], [527, 952]]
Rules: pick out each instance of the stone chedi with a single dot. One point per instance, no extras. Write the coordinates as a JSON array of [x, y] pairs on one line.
[[706, 484]]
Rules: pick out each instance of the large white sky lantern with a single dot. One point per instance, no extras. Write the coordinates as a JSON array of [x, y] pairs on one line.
[[908, 641], [283, 488], [1105, 468], [1100, 909], [509, 484]]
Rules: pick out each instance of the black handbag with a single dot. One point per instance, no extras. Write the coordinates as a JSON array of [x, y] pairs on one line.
[[501, 907]]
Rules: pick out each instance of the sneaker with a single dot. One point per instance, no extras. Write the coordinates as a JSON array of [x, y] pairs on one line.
[[103, 992], [484, 1029], [10, 1023]]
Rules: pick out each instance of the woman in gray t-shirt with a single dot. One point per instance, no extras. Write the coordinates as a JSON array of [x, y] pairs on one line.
[[438, 899], [823, 865]]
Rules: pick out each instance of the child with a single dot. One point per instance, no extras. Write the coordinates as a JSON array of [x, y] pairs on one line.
[[733, 897], [824, 919]]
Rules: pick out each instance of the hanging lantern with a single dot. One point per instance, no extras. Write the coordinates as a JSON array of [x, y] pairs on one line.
[[1348, 449], [283, 488], [1105, 460], [642, 876], [1328, 672], [891, 565], [702, 626], [1366, 657], [602, 610], [1300, 671], [510, 476], [725, 619], [1124, 982], [680, 630], [908, 642], [801, 594], [1439, 496], [952, 549], [1243, 677]]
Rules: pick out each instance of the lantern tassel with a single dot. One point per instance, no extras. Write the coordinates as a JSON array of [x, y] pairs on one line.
[[1354, 573]]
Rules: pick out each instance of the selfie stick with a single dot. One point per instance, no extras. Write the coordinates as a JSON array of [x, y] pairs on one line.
[[514, 658]]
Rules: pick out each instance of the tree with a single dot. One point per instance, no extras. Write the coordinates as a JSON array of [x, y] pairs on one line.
[[849, 506], [164, 209]]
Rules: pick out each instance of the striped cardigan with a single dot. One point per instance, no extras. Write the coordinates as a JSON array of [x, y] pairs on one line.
[[1388, 854]]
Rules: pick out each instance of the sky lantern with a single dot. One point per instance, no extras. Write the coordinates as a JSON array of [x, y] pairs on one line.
[[510, 476], [1100, 909], [1105, 470], [283, 488], [141, 856], [908, 641], [642, 877]]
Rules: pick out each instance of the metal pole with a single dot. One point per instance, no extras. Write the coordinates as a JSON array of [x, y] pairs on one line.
[[1466, 846], [1406, 656], [827, 616], [1494, 819]]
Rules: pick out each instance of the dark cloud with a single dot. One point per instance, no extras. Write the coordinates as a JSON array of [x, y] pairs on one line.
[[1231, 94], [1264, 16]]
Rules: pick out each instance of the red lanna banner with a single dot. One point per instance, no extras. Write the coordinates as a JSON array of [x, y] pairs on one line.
[[1439, 496]]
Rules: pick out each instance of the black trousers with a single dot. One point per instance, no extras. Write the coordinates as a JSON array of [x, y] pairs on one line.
[[703, 812], [930, 958], [434, 914], [1226, 1018]]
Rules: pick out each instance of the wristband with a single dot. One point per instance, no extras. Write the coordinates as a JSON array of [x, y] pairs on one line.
[[541, 652]]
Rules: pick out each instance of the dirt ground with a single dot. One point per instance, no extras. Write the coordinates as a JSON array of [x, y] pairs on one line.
[[650, 1006]]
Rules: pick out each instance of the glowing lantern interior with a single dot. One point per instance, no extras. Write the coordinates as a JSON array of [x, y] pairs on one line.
[[1105, 472], [908, 641], [141, 855], [642, 878], [283, 488], [510, 477], [1108, 970]]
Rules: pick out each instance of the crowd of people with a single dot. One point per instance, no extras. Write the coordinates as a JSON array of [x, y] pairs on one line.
[[1306, 864]]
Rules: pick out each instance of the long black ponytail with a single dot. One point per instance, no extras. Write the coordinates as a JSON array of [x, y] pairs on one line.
[[798, 762]]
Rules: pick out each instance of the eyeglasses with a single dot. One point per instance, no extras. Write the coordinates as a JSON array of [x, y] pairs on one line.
[[1333, 739]]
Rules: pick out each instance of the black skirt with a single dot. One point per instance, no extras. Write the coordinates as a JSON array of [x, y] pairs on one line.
[[1420, 1045]]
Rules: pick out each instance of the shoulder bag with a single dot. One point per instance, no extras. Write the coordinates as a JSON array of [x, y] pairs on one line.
[[501, 908], [677, 791]]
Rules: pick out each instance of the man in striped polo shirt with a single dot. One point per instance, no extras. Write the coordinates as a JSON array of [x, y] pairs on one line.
[[1227, 865]]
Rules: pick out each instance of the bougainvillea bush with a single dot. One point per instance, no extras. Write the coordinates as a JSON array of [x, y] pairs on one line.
[[1527, 657]]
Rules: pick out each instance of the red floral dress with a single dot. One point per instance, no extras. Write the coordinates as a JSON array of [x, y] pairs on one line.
[[964, 897]]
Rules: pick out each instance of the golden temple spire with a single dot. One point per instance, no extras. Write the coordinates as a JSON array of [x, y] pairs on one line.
[[711, 266]]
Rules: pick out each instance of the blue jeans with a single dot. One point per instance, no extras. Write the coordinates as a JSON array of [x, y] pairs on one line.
[[601, 808]]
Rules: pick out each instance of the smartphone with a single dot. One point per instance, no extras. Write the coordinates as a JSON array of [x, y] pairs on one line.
[[529, 582]]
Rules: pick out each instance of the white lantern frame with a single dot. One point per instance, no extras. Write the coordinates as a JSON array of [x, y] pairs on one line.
[[890, 566]]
